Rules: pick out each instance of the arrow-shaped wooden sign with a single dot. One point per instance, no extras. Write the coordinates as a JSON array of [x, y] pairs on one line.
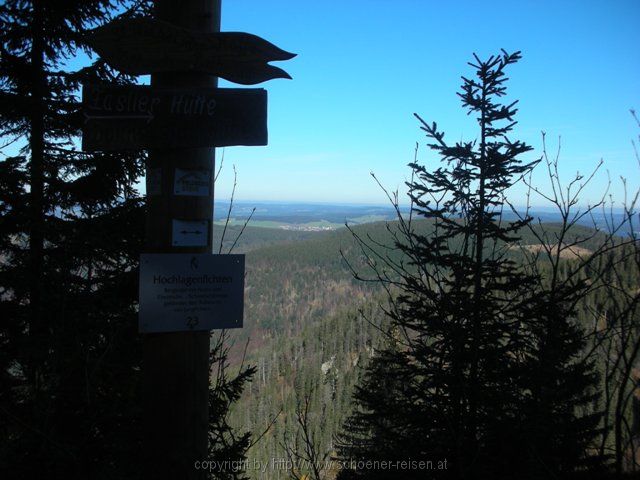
[[140, 46]]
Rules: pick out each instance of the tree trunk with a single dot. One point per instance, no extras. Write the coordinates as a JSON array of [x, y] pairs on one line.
[[37, 328]]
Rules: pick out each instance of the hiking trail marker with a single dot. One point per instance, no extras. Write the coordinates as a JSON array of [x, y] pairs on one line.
[[192, 182], [189, 233]]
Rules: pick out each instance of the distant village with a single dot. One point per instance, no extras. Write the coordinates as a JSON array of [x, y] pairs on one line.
[[307, 228]]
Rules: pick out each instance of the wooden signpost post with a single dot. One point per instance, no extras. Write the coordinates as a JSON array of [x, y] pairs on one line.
[[180, 118]]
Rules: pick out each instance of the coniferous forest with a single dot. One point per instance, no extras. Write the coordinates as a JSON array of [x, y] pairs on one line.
[[464, 339]]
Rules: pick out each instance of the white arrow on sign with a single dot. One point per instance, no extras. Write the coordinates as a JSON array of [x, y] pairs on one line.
[[88, 117]]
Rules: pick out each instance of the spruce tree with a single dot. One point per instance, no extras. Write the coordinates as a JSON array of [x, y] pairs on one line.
[[71, 231], [560, 415], [226, 447], [377, 429], [469, 313]]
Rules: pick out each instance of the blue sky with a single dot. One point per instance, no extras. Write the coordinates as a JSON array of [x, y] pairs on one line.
[[364, 66]]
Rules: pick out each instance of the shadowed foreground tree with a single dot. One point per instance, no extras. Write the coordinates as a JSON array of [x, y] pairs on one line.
[[225, 446], [470, 322], [615, 336], [378, 429], [570, 264], [70, 235], [71, 231]]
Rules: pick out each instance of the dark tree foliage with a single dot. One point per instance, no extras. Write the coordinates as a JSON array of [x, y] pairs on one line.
[[558, 419], [72, 227], [475, 327], [378, 429], [224, 444], [70, 234]]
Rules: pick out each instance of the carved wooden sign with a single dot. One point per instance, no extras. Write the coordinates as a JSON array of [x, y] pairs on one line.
[[141, 116], [139, 46]]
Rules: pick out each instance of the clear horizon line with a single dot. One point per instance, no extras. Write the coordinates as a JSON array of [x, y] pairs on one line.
[[378, 204]]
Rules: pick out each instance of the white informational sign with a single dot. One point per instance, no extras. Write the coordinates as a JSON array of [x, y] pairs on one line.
[[190, 233], [190, 291], [192, 182], [154, 181]]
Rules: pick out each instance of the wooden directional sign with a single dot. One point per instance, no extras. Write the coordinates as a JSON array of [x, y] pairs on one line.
[[139, 116], [140, 46]]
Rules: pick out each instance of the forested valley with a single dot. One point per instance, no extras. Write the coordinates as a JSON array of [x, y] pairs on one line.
[[464, 339], [311, 334]]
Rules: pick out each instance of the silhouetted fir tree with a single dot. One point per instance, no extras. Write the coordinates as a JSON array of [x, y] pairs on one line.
[[560, 417], [71, 231], [470, 314], [379, 428], [225, 445]]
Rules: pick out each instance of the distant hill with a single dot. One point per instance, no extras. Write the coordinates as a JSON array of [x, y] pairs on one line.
[[302, 216], [316, 216]]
